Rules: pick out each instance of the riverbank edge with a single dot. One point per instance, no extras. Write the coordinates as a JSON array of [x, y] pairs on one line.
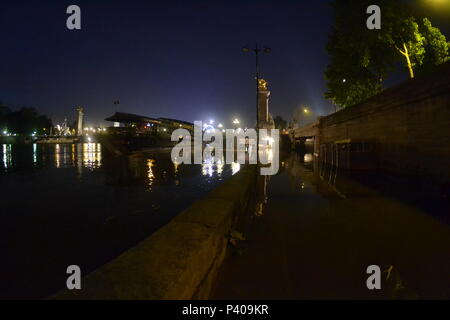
[[179, 261]]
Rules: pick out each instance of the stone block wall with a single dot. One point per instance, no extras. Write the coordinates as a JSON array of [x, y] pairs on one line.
[[409, 123]]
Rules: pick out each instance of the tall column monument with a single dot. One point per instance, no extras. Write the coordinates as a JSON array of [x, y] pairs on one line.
[[265, 119], [80, 121]]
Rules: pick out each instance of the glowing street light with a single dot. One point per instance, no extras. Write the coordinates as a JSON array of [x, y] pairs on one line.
[[220, 125], [236, 121]]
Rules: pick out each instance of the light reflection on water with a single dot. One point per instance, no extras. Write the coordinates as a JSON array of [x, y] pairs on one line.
[[34, 153], [212, 166], [6, 155], [92, 155], [150, 175], [87, 155]]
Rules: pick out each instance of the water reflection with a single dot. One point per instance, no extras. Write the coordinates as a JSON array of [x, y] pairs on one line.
[[34, 153], [209, 168], [235, 167], [261, 194], [307, 157], [86, 155], [57, 156], [150, 175], [92, 155], [6, 155]]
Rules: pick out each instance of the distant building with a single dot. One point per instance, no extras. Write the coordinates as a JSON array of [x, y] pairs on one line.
[[173, 123], [124, 122]]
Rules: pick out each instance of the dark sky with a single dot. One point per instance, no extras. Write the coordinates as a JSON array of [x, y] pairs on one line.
[[178, 59]]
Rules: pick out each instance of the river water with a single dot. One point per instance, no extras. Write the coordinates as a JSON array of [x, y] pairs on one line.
[[70, 204], [316, 230]]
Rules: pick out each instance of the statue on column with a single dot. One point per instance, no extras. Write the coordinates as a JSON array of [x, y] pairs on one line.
[[262, 84]]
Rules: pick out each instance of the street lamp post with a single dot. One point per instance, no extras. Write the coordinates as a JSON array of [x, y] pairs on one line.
[[257, 51]]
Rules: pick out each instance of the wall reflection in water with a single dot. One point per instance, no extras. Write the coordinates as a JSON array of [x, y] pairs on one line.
[[331, 182], [261, 194]]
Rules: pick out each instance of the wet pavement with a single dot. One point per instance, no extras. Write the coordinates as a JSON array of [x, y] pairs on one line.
[[319, 230]]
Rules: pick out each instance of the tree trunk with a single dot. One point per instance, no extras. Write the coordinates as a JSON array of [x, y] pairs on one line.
[[408, 61]]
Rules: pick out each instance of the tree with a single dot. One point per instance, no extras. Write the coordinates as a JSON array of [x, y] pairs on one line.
[[280, 123], [359, 62], [401, 32], [436, 47], [26, 121], [361, 59]]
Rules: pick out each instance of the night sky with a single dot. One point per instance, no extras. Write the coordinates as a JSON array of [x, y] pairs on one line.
[[177, 59]]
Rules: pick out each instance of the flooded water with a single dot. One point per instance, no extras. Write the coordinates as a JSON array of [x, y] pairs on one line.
[[73, 204], [316, 230]]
